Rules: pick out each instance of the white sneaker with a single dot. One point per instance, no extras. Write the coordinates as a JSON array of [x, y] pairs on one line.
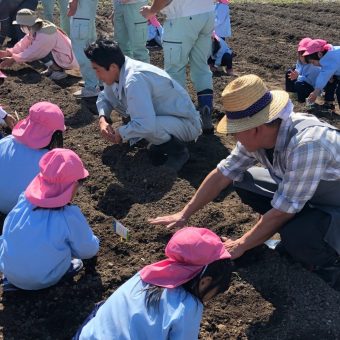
[[58, 75], [86, 93]]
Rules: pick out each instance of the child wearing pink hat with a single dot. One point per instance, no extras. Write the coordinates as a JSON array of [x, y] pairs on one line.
[[155, 33], [21, 152], [165, 299], [302, 79], [44, 236], [326, 56], [221, 55]]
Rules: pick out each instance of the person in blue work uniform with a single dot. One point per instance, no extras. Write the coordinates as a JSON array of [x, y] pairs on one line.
[[48, 7], [165, 299], [45, 236], [21, 152], [160, 110], [327, 57]]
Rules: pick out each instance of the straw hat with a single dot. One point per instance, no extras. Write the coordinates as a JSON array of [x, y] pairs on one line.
[[26, 17], [189, 250], [249, 104]]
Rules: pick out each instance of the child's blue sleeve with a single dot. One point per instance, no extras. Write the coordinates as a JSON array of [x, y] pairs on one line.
[[83, 243], [187, 325]]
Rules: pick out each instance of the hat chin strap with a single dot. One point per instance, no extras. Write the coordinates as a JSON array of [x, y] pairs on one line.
[[284, 114]]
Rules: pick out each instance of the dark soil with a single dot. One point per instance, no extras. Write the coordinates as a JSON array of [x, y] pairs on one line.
[[270, 297]]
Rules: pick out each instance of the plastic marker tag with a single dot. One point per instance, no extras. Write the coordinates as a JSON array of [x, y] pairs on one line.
[[119, 229]]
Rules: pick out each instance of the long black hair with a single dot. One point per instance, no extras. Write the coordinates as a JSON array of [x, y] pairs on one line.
[[314, 56], [220, 272]]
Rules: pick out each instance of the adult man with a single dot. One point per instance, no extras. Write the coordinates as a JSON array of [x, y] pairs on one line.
[[48, 7], [187, 38], [8, 11], [83, 32], [298, 191], [159, 109]]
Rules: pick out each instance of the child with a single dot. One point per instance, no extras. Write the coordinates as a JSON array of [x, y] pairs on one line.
[[44, 231], [320, 53], [221, 55], [165, 299], [7, 119], [21, 152], [222, 19], [43, 41], [155, 33]]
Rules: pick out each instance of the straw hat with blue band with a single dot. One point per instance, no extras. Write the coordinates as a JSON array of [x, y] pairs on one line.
[[248, 104]]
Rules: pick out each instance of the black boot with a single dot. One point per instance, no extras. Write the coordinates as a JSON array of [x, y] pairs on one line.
[[205, 107], [172, 154]]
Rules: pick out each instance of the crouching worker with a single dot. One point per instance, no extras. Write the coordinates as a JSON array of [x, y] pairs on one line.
[[297, 191], [165, 299], [44, 236], [159, 109], [43, 41], [21, 152]]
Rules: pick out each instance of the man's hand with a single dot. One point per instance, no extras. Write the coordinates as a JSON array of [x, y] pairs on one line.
[[146, 12], [235, 248], [7, 62], [106, 130], [10, 121], [175, 220], [293, 75], [72, 8], [313, 95]]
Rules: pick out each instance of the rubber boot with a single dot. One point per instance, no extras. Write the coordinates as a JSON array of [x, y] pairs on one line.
[[205, 107], [174, 154]]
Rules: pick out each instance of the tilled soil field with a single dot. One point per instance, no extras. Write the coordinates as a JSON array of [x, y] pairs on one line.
[[270, 297]]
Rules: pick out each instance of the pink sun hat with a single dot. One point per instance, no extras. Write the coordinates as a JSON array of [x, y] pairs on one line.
[[303, 44], [226, 2], [154, 21], [53, 187], [37, 128], [2, 75], [316, 45], [189, 250]]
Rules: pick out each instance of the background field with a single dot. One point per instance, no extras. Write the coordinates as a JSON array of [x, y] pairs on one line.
[[270, 298]]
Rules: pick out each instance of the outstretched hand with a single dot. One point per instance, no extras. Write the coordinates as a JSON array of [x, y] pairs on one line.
[[170, 221], [235, 248]]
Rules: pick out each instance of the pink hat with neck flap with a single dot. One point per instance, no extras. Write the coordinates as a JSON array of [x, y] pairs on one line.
[[189, 250], [316, 45], [53, 187], [37, 128]]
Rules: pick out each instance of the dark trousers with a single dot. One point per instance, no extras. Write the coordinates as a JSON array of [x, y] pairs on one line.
[[227, 60], [303, 236]]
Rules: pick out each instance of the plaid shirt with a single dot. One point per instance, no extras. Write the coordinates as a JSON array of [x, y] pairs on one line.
[[301, 160]]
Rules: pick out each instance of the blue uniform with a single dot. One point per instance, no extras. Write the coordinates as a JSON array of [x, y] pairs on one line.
[[19, 164], [37, 245], [124, 315]]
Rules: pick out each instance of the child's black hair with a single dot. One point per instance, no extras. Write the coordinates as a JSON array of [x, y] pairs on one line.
[[216, 45], [105, 52], [314, 56], [57, 141], [220, 272]]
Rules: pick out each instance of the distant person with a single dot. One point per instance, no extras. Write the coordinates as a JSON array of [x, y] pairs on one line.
[[48, 7], [45, 236], [327, 57], [82, 33], [8, 12], [302, 78], [155, 33], [21, 152], [186, 41], [221, 56], [222, 19], [165, 299], [130, 29], [43, 41], [159, 110], [297, 187]]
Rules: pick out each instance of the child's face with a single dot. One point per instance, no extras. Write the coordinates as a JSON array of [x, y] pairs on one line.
[[302, 59], [203, 289]]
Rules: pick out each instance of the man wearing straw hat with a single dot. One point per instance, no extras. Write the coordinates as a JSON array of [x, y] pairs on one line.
[[297, 191]]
